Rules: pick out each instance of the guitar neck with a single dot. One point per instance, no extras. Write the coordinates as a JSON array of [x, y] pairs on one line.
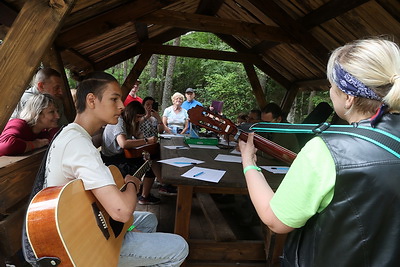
[[270, 148], [218, 124], [142, 170]]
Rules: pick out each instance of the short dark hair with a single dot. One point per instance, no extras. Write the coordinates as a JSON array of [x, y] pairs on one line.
[[86, 87], [147, 98], [273, 108], [257, 112], [94, 82]]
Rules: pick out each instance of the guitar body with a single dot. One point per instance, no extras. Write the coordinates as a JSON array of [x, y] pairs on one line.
[[63, 222], [137, 152]]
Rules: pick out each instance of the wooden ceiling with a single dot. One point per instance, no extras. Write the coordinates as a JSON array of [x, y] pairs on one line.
[[288, 40]]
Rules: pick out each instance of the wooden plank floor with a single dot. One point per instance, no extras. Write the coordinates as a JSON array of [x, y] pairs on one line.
[[236, 209]]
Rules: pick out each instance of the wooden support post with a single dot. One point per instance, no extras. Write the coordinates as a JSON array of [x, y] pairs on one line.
[[52, 59], [289, 99], [255, 84], [135, 73], [31, 34]]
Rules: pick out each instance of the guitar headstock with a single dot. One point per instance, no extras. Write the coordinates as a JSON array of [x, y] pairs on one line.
[[211, 121]]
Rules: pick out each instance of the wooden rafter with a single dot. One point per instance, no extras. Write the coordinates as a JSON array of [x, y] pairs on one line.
[[271, 72], [108, 21], [215, 25], [197, 53], [17, 66], [329, 11], [135, 73], [255, 84], [293, 29], [133, 51]]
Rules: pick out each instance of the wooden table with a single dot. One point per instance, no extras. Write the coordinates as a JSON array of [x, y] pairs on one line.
[[233, 182]]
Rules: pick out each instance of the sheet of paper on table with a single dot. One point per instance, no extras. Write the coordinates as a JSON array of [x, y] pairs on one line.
[[176, 147], [236, 152], [204, 174], [169, 136], [203, 146], [276, 169], [181, 161], [228, 158]]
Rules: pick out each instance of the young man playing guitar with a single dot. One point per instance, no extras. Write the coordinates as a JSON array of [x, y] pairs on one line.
[[73, 156]]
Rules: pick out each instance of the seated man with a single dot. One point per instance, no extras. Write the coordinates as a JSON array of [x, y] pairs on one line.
[[73, 156], [46, 81], [273, 113]]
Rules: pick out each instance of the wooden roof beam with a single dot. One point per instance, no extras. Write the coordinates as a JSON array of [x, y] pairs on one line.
[[259, 63], [135, 73], [330, 10], [133, 51], [18, 57], [108, 21], [215, 25], [292, 28], [209, 7], [255, 84], [197, 53]]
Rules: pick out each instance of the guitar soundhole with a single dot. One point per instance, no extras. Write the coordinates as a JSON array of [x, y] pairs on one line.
[[101, 221]]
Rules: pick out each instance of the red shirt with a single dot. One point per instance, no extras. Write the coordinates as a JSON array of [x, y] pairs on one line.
[[130, 98], [14, 136]]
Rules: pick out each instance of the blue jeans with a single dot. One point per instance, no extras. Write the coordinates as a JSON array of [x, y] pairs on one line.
[[147, 248]]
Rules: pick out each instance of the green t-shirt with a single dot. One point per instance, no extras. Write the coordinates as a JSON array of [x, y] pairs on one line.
[[307, 187]]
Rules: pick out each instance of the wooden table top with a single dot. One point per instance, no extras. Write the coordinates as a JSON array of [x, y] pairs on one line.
[[233, 177]]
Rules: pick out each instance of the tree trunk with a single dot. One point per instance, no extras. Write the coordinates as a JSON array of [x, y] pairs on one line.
[[291, 117], [153, 76], [166, 99], [310, 102]]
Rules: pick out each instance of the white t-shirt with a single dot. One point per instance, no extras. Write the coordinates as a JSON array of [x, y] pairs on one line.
[[174, 119], [72, 155], [109, 144]]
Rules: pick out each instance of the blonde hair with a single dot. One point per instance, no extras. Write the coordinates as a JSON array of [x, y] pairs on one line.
[[34, 106], [177, 95], [376, 63]]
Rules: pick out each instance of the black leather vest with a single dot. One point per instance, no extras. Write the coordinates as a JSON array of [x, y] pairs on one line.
[[361, 225]]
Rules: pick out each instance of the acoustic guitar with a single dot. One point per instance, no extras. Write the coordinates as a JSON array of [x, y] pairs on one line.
[[67, 222], [214, 122], [152, 149]]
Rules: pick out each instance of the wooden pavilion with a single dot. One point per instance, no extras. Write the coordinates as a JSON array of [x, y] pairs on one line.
[[289, 40]]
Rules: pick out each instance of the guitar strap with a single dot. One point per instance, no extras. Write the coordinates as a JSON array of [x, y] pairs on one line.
[[383, 139], [37, 186]]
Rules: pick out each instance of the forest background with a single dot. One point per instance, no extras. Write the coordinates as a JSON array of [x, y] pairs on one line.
[[211, 79]]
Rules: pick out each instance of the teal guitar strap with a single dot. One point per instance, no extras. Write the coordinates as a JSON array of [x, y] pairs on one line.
[[383, 139]]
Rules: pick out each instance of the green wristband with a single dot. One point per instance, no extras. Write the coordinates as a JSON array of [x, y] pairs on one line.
[[251, 167], [131, 228]]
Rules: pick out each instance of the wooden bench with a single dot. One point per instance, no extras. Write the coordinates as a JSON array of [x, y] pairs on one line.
[[17, 174]]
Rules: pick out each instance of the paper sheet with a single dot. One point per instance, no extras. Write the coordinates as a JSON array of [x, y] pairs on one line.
[[236, 152], [203, 146], [176, 147], [169, 136], [181, 161], [228, 158], [276, 169], [204, 174]]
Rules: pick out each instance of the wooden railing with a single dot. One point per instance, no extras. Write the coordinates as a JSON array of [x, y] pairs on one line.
[[17, 175]]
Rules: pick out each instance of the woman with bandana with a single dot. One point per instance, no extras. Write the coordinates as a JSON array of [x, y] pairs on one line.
[[340, 200]]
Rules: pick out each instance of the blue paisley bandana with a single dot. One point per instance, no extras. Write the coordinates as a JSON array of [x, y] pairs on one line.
[[351, 85]]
